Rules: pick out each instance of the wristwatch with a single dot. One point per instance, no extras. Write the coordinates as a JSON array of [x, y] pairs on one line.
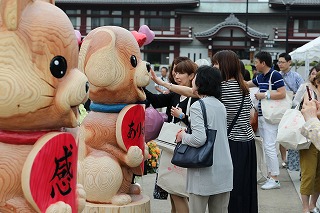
[[267, 94], [181, 116]]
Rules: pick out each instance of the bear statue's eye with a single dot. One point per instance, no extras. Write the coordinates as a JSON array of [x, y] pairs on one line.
[[133, 61], [58, 66]]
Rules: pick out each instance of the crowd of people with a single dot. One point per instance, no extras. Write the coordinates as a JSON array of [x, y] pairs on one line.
[[230, 184]]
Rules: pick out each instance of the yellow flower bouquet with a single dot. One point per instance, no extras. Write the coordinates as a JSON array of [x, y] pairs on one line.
[[154, 152]]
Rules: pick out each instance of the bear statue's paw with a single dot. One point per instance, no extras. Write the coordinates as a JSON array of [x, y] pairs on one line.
[[59, 207], [135, 189], [121, 199], [134, 156], [81, 197], [146, 152], [16, 204]]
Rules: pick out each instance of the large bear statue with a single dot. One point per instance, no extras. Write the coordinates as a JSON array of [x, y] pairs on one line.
[[41, 88], [112, 146]]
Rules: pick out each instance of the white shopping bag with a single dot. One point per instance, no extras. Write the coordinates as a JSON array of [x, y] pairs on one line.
[[273, 110], [172, 178], [167, 136], [289, 135]]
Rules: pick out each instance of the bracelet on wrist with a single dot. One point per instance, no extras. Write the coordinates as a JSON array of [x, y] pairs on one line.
[[170, 85]]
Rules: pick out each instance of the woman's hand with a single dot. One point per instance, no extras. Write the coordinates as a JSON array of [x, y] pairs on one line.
[[155, 78], [176, 111], [179, 136], [309, 109]]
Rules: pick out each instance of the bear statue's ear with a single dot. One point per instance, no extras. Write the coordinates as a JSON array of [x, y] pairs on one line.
[[97, 39], [11, 10], [83, 53]]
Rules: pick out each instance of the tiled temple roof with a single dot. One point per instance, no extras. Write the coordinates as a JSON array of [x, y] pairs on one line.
[[295, 2], [231, 21]]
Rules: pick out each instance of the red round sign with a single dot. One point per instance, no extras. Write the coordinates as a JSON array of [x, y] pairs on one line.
[[53, 175], [132, 128]]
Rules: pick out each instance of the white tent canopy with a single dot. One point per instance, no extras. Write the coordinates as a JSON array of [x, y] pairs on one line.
[[308, 53]]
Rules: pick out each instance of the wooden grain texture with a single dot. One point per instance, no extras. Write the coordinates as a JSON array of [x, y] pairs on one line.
[[28, 90], [103, 177], [103, 167], [99, 128], [32, 34], [17, 205], [12, 159], [140, 204], [105, 57], [108, 160]]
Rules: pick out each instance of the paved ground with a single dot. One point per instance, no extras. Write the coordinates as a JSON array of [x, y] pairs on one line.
[[284, 200]]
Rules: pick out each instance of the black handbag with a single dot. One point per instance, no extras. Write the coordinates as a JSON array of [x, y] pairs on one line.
[[158, 192], [191, 157]]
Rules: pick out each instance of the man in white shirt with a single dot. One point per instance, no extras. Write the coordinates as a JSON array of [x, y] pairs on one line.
[[162, 89], [292, 81]]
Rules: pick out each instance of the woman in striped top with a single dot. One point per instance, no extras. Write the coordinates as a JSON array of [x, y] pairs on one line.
[[243, 197]]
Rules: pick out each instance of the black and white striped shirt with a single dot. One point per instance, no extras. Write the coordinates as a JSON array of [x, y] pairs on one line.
[[231, 97]]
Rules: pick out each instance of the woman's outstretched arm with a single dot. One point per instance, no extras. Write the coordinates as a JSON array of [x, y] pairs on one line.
[[181, 90]]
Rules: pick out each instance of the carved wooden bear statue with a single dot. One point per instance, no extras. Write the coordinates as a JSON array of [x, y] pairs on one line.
[[113, 131], [40, 90]]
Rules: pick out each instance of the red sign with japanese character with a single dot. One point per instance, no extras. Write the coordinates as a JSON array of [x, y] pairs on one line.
[[132, 128], [54, 170]]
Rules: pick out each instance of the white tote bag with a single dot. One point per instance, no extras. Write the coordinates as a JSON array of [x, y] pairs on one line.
[[167, 136], [273, 110], [289, 135], [172, 178]]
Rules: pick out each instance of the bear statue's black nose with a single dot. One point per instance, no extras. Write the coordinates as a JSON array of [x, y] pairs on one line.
[[148, 66], [87, 86]]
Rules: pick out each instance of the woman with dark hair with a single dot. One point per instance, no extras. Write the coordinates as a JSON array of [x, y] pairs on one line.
[[209, 186], [175, 61], [302, 89], [182, 73], [243, 197], [206, 82]]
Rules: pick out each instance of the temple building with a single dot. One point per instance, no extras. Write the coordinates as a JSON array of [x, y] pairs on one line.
[[199, 28]]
